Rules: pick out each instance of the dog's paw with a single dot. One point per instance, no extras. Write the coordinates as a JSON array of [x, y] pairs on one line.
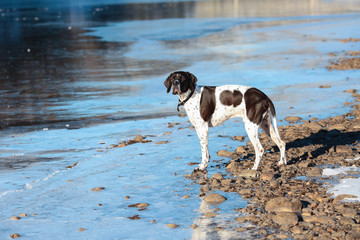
[[199, 171]]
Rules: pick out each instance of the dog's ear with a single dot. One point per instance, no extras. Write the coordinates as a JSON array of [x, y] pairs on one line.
[[193, 81], [168, 83]]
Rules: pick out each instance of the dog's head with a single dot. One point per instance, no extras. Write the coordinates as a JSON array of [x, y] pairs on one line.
[[180, 82]]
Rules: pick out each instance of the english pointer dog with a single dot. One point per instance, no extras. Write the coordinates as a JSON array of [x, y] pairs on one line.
[[208, 106]]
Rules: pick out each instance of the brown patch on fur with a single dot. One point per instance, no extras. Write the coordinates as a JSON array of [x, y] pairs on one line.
[[207, 103], [257, 103], [229, 98]]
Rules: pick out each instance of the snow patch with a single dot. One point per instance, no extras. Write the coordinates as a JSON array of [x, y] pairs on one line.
[[349, 186], [337, 171]]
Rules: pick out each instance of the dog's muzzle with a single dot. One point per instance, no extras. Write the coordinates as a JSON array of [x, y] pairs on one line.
[[176, 87]]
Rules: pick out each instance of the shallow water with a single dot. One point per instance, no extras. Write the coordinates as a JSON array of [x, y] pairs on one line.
[[76, 78]]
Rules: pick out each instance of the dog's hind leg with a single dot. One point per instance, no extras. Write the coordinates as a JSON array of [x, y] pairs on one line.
[[270, 128], [252, 130]]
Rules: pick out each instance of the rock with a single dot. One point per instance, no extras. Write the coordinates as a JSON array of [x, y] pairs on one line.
[[97, 189], [338, 126], [240, 229], [343, 149], [162, 142], [351, 91], [139, 138], [186, 196], [314, 172], [194, 226], [314, 126], [293, 119], [233, 166], [266, 176], [282, 204], [23, 215], [15, 218], [238, 138], [347, 211], [214, 198], [297, 230], [217, 176], [15, 235], [225, 153], [286, 218], [139, 205], [240, 150], [172, 225], [81, 229], [210, 214], [324, 86], [136, 217], [249, 173]]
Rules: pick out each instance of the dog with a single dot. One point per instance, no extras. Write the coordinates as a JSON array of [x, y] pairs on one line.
[[208, 106]]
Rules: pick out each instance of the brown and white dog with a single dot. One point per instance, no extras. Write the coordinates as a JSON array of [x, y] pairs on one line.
[[210, 106]]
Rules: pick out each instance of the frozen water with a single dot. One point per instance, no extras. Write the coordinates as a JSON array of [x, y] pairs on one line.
[[101, 82]]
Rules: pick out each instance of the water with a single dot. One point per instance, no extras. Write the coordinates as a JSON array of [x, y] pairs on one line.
[[79, 77]]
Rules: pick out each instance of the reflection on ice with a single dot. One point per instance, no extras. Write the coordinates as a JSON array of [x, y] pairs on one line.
[[92, 73]]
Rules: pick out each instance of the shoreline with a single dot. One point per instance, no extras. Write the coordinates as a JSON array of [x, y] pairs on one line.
[[294, 201]]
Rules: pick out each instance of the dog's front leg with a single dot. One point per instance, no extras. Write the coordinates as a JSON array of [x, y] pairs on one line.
[[202, 131]]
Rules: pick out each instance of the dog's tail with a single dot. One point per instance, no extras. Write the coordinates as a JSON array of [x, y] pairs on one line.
[[273, 116]]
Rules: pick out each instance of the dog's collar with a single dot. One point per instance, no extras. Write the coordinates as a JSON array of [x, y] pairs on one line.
[[181, 103]]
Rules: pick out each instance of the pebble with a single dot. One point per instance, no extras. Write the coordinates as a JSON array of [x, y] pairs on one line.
[[293, 119], [214, 198], [210, 214], [194, 226], [139, 205], [135, 217], [15, 218], [286, 218], [15, 235], [81, 229], [249, 173], [139, 138], [172, 225], [162, 142], [97, 189], [282, 204], [314, 172], [225, 153]]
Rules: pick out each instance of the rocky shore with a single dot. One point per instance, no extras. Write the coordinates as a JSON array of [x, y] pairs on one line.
[[292, 201]]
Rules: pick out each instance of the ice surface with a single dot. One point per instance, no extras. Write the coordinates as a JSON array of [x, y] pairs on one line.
[[108, 94], [350, 186]]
